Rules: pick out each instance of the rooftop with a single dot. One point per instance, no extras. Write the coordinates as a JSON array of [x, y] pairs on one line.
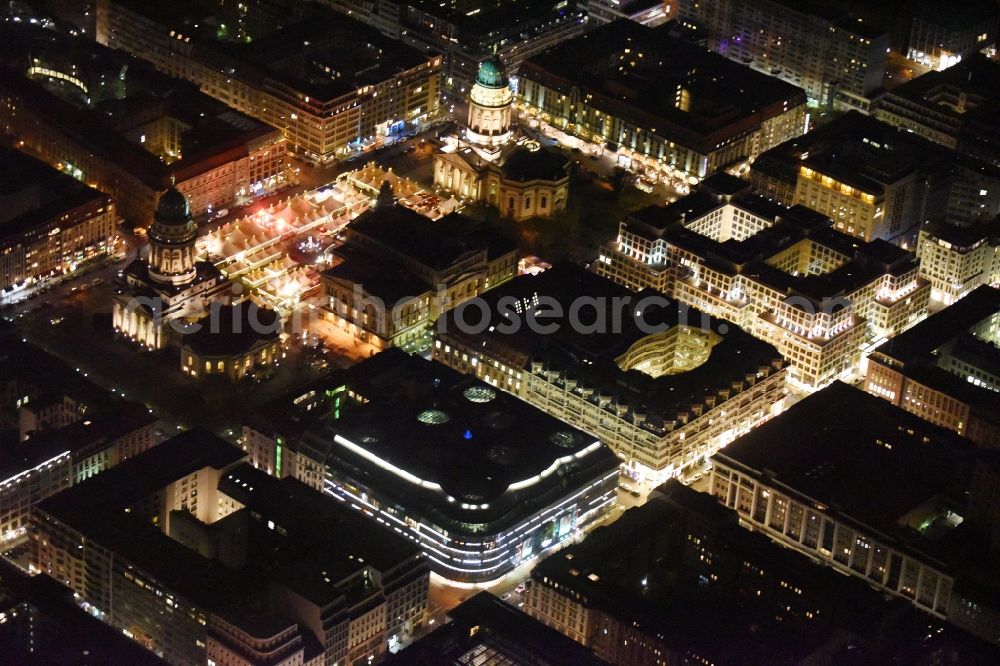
[[108, 120], [54, 630], [919, 351], [593, 353], [854, 149], [485, 630], [310, 49], [448, 442], [861, 457], [32, 194], [635, 72], [678, 569], [233, 330]]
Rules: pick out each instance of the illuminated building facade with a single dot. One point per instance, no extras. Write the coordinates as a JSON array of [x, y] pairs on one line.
[[156, 296], [944, 369], [956, 107], [160, 549], [875, 493], [49, 224], [239, 341], [785, 274], [482, 482], [59, 429], [646, 12], [866, 176], [646, 591], [939, 39], [675, 104], [114, 123], [345, 87], [664, 390], [398, 271], [522, 179], [957, 260], [487, 629], [838, 60]]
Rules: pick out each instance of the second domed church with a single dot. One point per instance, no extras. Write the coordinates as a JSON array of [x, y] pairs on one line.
[[488, 163]]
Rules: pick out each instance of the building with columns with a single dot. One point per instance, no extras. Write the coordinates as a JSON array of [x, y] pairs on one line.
[[489, 164], [157, 294]]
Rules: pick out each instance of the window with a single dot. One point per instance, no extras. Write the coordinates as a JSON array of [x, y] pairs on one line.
[[544, 203]]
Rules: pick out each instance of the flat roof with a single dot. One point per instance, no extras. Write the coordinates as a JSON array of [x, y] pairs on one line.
[[33, 194], [212, 133], [726, 99], [436, 244], [56, 630], [591, 355], [638, 570], [486, 630], [310, 50], [854, 149], [444, 440], [915, 352], [857, 455]]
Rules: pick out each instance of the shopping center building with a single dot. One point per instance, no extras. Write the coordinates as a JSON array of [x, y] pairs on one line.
[[480, 480]]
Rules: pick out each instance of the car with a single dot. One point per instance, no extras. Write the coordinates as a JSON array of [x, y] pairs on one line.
[[521, 588], [505, 597], [696, 477]]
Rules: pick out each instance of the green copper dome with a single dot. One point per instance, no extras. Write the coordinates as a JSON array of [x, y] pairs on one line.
[[172, 208], [492, 73]]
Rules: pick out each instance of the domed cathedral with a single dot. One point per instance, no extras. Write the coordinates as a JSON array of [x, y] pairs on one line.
[[171, 240], [490, 104], [520, 177], [155, 296]]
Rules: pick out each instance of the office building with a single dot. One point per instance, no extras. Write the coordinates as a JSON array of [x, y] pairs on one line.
[[865, 175], [679, 580], [652, 13], [158, 295], [942, 36], [487, 163], [956, 260], [342, 87], [485, 630], [397, 271], [659, 101], [785, 274], [837, 59], [466, 32], [114, 123], [945, 369], [200, 558], [40, 623], [50, 224], [57, 429], [956, 107], [870, 490], [664, 389], [481, 481]]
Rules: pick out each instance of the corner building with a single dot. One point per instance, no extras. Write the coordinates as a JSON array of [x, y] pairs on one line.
[[785, 274], [663, 389]]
